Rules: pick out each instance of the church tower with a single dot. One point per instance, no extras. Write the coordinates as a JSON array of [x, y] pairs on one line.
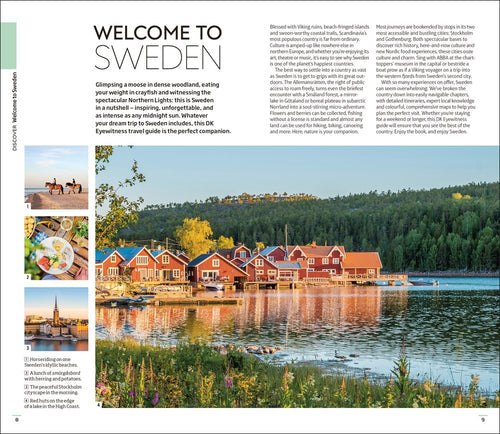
[[56, 314]]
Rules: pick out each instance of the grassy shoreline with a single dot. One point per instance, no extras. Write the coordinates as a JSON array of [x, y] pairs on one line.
[[129, 374]]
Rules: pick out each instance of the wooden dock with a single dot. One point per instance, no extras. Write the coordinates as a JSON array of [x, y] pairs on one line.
[[169, 300], [278, 284]]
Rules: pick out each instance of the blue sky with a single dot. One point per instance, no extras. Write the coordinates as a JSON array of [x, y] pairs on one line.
[[43, 163], [72, 302], [179, 174]]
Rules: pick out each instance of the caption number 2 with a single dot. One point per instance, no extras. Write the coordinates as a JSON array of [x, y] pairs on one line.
[[27, 277]]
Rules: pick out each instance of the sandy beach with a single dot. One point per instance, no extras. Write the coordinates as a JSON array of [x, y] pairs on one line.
[[45, 200]]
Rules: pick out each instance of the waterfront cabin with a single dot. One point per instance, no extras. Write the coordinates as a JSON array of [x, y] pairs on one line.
[[106, 262], [319, 258], [239, 251], [366, 264], [138, 262], [259, 268], [169, 267], [288, 270], [274, 253], [214, 267]]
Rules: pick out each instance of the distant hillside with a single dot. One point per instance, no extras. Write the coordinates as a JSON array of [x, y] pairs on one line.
[[440, 229]]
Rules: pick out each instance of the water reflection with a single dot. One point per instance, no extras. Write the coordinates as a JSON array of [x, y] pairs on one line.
[[450, 331]]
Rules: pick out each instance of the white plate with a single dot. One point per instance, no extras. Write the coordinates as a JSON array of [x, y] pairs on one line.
[[67, 251]]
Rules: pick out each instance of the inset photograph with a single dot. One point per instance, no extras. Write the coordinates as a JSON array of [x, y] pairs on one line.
[[56, 248], [56, 319], [56, 177]]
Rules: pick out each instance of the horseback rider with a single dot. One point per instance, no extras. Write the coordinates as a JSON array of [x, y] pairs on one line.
[[55, 182], [74, 182]]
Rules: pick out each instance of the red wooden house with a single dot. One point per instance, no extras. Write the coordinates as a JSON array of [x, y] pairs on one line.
[[362, 263], [239, 251], [106, 262], [259, 268], [138, 262], [214, 267], [274, 253], [169, 267], [319, 258]]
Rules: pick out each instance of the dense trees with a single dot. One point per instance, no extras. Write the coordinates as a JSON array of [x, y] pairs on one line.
[[439, 229]]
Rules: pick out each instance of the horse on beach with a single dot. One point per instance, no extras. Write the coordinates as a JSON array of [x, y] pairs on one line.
[[74, 186], [53, 186]]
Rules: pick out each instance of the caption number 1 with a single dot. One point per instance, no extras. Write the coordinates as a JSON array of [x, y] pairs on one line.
[[28, 205]]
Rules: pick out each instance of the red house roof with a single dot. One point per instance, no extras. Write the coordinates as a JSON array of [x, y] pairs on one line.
[[362, 260]]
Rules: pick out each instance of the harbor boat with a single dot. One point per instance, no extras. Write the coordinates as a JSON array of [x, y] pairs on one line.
[[73, 339], [213, 286], [424, 283]]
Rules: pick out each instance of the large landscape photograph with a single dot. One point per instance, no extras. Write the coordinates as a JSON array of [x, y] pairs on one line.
[[297, 277]]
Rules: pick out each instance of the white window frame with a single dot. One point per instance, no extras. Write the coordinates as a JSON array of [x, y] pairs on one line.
[[271, 272], [324, 260], [176, 272], [165, 259], [260, 272], [215, 262], [335, 261], [311, 269], [113, 271], [243, 254], [333, 271], [142, 260], [214, 273], [310, 261], [259, 262], [157, 273], [151, 272], [98, 271], [371, 271], [113, 259], [270, 258]]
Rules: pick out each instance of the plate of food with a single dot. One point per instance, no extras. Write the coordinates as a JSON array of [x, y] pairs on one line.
[[56, 257]]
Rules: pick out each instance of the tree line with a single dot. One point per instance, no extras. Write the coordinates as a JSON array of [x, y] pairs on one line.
[[451, 228]]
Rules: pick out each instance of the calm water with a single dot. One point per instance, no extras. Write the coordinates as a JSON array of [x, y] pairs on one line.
[[42, 345], [451, 331]]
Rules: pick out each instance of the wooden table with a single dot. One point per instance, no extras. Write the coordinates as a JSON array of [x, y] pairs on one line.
[[81, 253]]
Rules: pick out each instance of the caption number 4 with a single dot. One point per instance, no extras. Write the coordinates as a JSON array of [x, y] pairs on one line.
[[99, 404]]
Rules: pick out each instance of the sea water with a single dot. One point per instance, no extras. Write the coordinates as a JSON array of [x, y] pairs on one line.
[[33, 190]]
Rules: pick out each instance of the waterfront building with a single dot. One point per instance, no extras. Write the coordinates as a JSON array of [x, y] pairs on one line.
[[169, 267], [239, 251], [212, 266]]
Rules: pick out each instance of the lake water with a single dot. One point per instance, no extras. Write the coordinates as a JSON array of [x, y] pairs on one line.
[[43, 345], [451, 332]]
